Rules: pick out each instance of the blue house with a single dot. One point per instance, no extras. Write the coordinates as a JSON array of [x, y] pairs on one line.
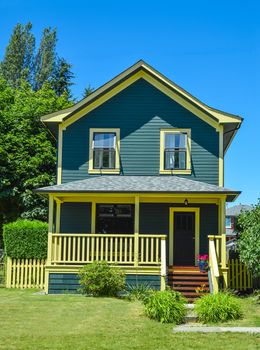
[[140, 184]]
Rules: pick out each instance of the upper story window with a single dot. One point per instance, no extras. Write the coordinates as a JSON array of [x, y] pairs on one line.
[[104, 151], [175, 145]]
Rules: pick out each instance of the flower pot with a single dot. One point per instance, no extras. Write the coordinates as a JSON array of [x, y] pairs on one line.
[[203, 265]]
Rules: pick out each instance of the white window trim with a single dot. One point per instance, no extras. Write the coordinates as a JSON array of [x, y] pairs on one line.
[[188, 157], [91, 170]]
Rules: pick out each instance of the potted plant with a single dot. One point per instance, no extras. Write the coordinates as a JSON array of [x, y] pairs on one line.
[[203, 261]]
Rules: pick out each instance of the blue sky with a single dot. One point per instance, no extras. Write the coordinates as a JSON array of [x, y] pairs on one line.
[[210, 48]]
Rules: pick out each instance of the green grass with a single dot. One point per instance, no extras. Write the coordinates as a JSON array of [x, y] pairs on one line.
[[65, 322]]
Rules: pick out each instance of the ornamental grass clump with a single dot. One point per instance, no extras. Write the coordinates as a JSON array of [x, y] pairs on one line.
[[101, 279], [165, 306], [221, 307], [139, 291]]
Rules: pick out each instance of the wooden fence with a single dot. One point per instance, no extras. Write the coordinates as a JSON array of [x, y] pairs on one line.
[[239, 277], [25, 273]]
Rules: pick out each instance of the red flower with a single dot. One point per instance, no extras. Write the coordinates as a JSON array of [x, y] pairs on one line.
[[203, 257]]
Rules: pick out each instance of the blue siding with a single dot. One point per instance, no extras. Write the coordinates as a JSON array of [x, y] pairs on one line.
[[60, 283], [75, 218], [140, 111], [154, 281]]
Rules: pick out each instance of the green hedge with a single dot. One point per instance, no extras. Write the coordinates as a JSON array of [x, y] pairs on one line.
[[26, 239]]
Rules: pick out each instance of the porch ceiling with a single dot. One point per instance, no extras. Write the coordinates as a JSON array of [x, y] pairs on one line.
[[139, 184]]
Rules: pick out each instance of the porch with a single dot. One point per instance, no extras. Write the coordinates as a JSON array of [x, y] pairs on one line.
[[147, 249]]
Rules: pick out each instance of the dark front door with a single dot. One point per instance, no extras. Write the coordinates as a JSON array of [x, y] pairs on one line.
[[184, 239]]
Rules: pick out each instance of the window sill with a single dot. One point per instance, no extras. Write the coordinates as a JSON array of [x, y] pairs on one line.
[[104, 171], [176, 172]]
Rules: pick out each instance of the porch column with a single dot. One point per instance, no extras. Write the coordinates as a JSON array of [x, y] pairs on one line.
[[163, 263], [93, 217], [223, 240], [136, 227], [50, 229], [58, 209]]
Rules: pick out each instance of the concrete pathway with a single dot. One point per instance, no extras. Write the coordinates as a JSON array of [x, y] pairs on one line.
[[214, 329]]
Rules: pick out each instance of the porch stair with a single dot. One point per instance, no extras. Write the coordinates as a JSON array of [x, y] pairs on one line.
[[185, 279]]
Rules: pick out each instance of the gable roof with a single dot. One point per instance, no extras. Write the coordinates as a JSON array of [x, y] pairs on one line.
[[238, 209], [139, 70], [139, 184]]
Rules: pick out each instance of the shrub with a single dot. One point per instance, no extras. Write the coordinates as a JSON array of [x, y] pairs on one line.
[[101, 279], [26, 239], [166, 306], [139, 291], [219, 307]]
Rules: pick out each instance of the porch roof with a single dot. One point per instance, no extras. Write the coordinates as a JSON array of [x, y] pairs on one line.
[[139, 184]]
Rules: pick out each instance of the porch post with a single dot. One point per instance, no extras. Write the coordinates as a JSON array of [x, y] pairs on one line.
[[163, 263], [93, 216], [50, 229], [136, 227], [223, 241], [58, 208]]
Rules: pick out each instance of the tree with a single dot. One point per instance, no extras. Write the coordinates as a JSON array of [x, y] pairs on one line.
[[45, 59], [19, 55], [27, 149], [88, 90], [62, 76], [249, 238]]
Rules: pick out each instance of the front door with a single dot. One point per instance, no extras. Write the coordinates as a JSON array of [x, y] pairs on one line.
[[184, 238]]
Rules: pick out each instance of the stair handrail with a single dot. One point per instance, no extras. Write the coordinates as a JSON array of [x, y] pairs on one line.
[[213, 263]]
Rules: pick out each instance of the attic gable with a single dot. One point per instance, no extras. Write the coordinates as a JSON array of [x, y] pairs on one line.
[[141, 70]]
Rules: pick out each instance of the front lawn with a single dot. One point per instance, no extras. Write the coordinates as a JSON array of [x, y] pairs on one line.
[[65, 322]]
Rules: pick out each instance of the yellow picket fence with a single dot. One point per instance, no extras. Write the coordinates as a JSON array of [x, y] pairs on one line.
[[239, 277], [25, 273]]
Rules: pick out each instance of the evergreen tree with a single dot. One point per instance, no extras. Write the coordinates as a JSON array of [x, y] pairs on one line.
[[45, 60], [88, 90], [19, 55], [61, 80]]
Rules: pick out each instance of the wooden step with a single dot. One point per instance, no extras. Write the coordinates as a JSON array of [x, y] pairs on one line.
[[189, 273], [189, 278], [178, 288], [193, 294], [190, 283]]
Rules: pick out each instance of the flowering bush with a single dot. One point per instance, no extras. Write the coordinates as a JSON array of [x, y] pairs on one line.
[[203, 257]]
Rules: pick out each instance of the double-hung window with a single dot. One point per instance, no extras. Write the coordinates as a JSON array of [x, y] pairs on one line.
[[104, 151], [175, 151]]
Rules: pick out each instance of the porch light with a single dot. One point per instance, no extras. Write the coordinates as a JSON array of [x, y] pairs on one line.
[[186, 202]]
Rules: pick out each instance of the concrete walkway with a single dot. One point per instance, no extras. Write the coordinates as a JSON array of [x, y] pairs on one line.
[[215, 329]]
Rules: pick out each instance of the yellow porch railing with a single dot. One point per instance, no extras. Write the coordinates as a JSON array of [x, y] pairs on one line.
[[215, 260], [239, 277], [25, 273], [122, 249]]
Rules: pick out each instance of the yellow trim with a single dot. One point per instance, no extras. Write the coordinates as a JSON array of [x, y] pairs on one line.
[[166, 90], [208, 112], [144, 270], [58, 209], [46, 284], [144, 196], [93, 216], [50, 228], [221, 157], [188, 157], [130, 199], [171, 230], [136, 230], [59, 168], [91, 170]]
